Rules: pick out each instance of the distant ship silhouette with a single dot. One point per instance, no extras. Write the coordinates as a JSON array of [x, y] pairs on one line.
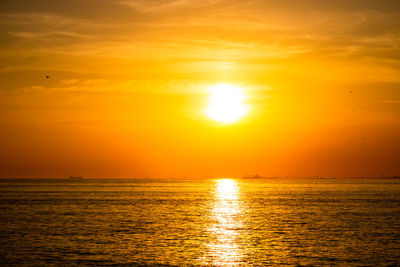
[[253, 176], [258, 177], [75, 177]]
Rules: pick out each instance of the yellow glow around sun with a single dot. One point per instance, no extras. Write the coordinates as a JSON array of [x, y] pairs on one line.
[[226, 104]]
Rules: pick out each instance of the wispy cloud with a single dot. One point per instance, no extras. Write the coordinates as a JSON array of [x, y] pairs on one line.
[[181, 32]]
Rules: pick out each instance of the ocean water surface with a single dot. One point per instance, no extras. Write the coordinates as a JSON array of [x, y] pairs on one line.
[[221, 222]]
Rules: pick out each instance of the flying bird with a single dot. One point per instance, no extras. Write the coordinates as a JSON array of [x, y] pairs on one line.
[[47, 77]]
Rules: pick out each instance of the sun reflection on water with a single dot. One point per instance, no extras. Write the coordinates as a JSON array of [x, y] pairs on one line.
[[226, 213]]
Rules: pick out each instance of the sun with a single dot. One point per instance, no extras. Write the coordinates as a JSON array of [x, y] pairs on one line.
[[226, 104]]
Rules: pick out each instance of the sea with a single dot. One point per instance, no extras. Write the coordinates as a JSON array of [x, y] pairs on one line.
[[210, 222]]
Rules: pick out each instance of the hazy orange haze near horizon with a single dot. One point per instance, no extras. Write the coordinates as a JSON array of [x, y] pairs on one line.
[[128, 88]]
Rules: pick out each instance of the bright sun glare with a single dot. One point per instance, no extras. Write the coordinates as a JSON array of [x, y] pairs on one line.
[[226, 104], [227, 188]]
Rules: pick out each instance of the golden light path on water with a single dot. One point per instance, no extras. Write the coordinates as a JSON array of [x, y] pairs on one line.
[[226, 213]]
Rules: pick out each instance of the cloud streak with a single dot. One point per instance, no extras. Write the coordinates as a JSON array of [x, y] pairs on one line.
[[176, 33]]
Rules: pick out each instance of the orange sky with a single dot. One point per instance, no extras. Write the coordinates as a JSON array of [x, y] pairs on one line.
[[129, 82]]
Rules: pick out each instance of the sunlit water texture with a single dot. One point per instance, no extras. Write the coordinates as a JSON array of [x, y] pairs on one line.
[[224, 248], [224, 222]]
